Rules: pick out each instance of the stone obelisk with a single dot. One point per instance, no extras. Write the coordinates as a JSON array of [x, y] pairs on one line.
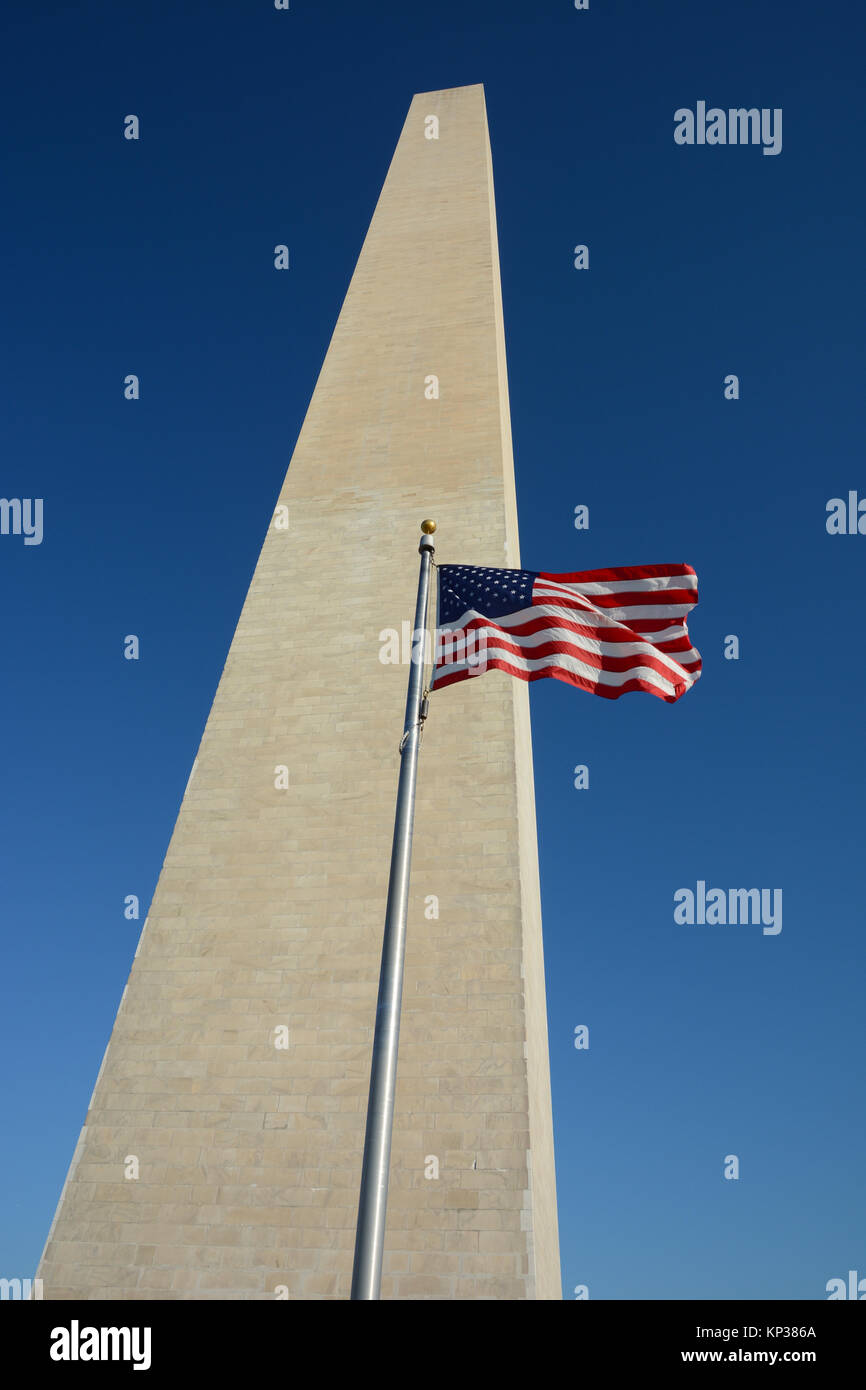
[[221, 1153]]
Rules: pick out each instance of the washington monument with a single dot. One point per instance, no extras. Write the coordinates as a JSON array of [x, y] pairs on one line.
[[220, 1156]]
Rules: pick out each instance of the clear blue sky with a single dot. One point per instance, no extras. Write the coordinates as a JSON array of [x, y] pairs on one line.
[[261, 127]]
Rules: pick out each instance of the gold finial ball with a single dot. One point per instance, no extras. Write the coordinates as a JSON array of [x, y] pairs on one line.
[[428, 527]]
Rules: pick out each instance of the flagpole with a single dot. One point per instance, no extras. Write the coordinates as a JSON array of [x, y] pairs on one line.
[[373, 1200]]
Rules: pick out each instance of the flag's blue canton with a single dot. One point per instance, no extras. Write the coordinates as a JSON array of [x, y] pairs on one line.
[[489, 592]]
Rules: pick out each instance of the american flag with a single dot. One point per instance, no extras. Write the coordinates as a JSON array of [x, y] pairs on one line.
[[608, 631]]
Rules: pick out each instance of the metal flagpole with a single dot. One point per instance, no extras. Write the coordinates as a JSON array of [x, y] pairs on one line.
[[373, 1201]]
